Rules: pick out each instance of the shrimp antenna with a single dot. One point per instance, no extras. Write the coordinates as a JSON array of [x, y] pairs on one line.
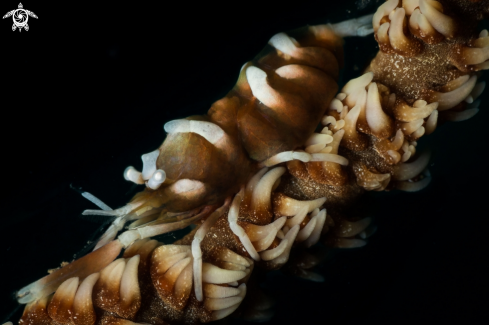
[[92, 198]]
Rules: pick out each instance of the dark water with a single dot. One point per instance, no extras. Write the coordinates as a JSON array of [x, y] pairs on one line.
[[87, 89]]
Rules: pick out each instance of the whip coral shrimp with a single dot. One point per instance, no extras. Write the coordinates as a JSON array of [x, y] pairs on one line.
[[278, 165]]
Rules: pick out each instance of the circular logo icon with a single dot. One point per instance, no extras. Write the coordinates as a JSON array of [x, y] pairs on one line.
[[20, 17]]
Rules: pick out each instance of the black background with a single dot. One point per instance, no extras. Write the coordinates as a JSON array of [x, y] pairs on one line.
[[87, 90]]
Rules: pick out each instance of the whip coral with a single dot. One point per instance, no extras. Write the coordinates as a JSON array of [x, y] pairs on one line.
[[277, 165]]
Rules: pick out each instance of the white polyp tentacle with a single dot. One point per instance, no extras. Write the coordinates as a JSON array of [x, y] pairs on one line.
[[461, 116], [383, 33], [418, 133], [431, 122], [384, 10], [478, 89], [370, 180], [270, 254], [305, 232], [441, 22], [409, 186], [423, 23], [285, 230], [329, 157], [475, 55], [415, 19], [197, 252], [340, 123], [351, 122], [336, 105], [290, 237], [406, 156], [454, 97], [481, 42], [286, 156], [224, 312], [315, 212], [316, 233], [291, 207], [397, 39], [262, 244], [197, 268], [358, 83], [254, 180], [420, 110], [326, 130], [376, 118], [238, 230], [407, 171], [280, 234], [410, 5], [413, 186], [398, 140], [216, 275], [215, 291], [129, 289], [261, 193], [396, 156], [298, 218], [317, 142], [411, 127], [336, 141], [172, 273], [357, 98], [327, 149], [349, 229], [455, 83], [263, 236], [482, 66], [221, 303], [405, 146], [65, 292]]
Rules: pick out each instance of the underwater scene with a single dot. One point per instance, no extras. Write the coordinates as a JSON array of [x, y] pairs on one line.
[[88, 88]]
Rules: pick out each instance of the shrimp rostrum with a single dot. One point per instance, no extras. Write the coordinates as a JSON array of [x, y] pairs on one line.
[[276, 164]]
